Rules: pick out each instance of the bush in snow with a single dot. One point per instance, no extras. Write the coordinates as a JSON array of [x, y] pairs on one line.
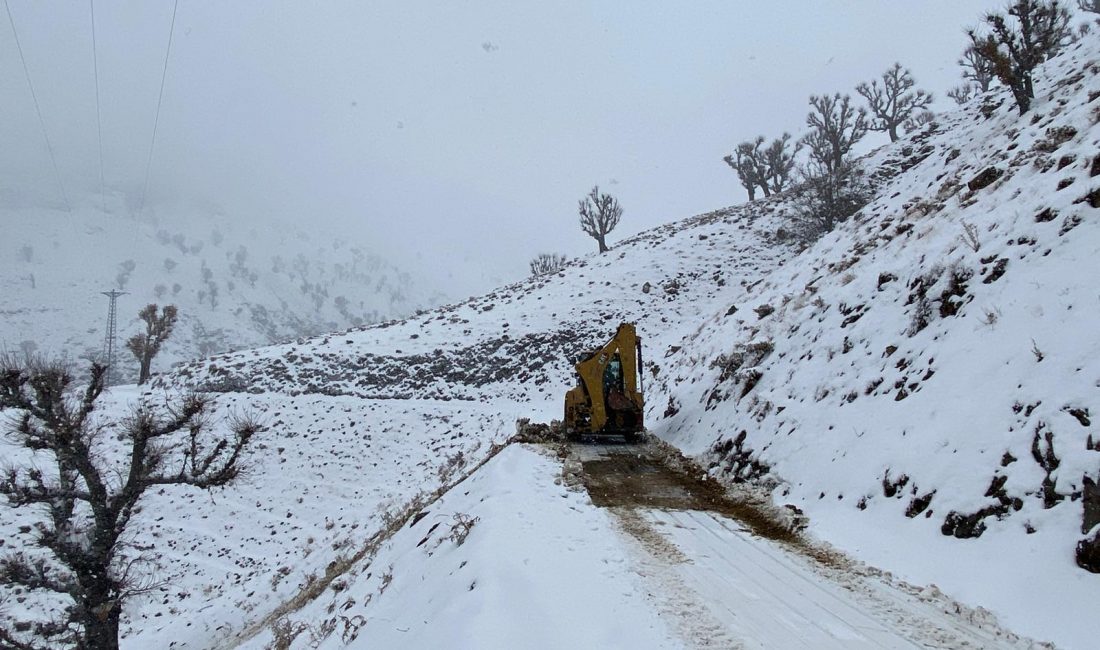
[[157, 330], [977, 70], [836, 126], [768, 168], [460, 529], [826, 197], [125, 270], [962, 94], [547, 263], [832, 187], [747, 161]]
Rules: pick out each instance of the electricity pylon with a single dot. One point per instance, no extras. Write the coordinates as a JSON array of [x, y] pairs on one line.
[[112, 326]]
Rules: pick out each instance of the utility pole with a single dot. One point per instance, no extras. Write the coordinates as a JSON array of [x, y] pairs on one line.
[[109, 341]]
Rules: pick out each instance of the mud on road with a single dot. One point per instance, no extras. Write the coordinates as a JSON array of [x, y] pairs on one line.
[[645, 476]]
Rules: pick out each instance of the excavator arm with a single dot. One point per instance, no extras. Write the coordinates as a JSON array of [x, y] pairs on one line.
[[608, 397]]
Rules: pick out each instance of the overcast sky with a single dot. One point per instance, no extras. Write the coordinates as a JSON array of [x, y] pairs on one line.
[[453, 136]]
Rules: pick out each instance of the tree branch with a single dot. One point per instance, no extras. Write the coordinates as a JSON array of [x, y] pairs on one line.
[[8, 640], [16, 569], [31, 489]]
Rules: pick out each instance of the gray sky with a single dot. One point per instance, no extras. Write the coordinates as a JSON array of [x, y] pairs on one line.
[[454, 136]]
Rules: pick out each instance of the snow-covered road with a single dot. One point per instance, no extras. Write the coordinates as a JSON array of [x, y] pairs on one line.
[[718, 583], [548, 564], [726, 587]]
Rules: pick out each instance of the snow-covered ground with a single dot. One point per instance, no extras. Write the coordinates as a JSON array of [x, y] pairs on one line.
[[898, 371], [933, 368], [326, 474], [541, 567], [923, 383]]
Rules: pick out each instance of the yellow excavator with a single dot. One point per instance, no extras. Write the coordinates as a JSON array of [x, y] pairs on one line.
[[607, 400]]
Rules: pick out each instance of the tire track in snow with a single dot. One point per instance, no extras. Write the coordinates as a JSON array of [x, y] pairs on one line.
[[656, 561], [725, 585], [927, 615]]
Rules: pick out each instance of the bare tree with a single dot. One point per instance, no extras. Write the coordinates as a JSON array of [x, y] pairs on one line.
[[1089, 6], [88, 496], [600, 213], [157, 330], [962, 93], [836, 126], [742, 162], [1040, 28], [779, 162], [977, 69], [768, 168], [894, 102], [547, 263]]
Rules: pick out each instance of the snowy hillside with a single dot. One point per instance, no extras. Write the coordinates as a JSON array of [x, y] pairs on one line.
[[927, 381], [923, 383], [236, 286]]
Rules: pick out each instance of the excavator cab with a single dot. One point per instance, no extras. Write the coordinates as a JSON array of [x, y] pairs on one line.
[[607, 400]]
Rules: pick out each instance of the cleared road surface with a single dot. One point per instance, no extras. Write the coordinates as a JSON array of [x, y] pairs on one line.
[[725, 577]]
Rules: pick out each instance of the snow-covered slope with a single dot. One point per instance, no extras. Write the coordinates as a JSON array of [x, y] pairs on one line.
[[927, 387], [936, 357], [938, 354], [510, 559], [236, 286], [327, 475]]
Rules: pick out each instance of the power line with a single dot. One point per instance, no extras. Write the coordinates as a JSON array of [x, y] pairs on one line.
[[38, 109], [98, 120], [160, 98]]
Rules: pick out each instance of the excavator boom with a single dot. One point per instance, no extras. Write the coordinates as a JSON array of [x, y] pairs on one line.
[[608, 397]]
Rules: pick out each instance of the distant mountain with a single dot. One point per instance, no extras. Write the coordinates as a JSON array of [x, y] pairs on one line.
[[236, 285]]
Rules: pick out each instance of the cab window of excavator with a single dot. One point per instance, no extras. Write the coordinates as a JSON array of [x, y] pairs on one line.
[[613, 375]]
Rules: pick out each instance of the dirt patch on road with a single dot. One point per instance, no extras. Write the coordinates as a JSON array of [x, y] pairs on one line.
[[640, 476]]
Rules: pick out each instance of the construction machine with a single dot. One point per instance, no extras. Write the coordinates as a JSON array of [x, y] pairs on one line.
[[607, 400]]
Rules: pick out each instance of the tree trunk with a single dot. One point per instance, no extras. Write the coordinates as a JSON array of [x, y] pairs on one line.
[[143, 375], [1019, 92], [893, 131], [602, 243], [100, 620], [752, 193], [103, 634], [767, 190]]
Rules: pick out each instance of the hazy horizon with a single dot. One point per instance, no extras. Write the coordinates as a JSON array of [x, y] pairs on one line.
[[454, 138]]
